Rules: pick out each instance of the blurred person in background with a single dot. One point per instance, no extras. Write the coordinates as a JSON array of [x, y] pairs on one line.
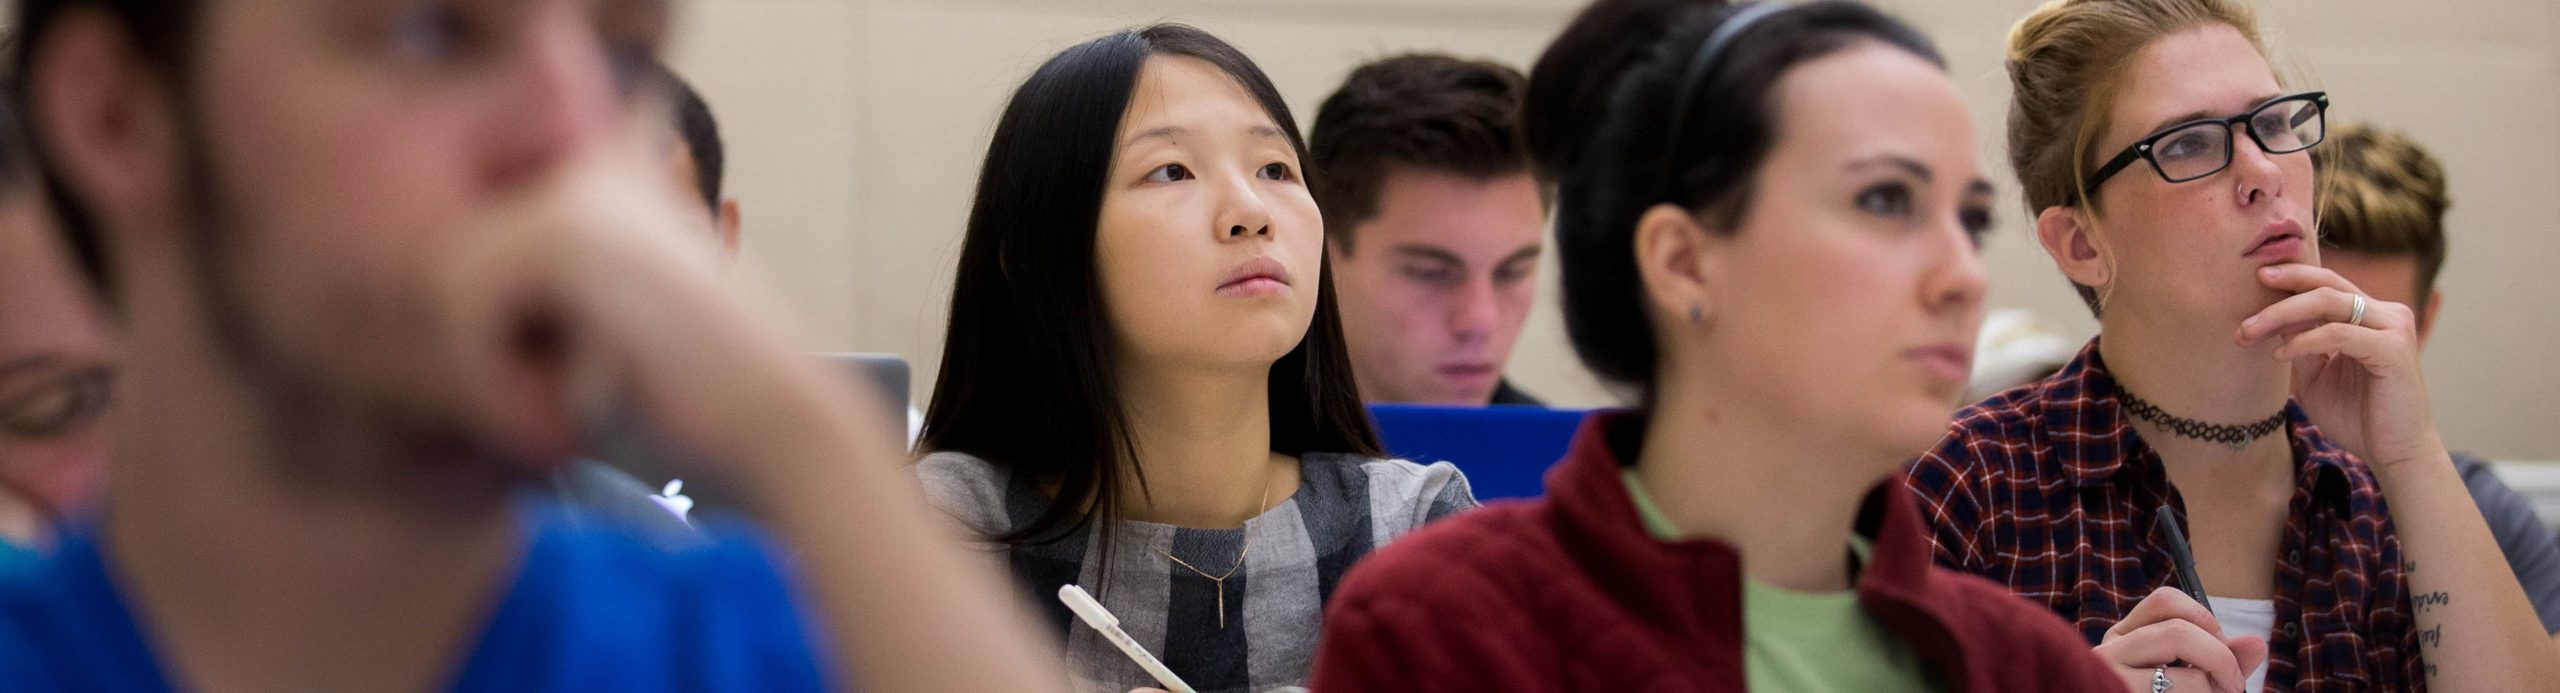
[[697, 160], [1434, 223], [2382, 206]]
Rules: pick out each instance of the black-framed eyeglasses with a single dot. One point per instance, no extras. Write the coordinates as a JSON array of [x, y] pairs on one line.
[[2202, 147]]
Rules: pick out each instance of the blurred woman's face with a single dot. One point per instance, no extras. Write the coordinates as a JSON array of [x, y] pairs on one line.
[[54, 368], [1847, 300], [1209, 245]]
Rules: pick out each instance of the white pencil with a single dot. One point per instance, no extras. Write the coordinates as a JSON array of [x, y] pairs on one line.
[[1102, 621]]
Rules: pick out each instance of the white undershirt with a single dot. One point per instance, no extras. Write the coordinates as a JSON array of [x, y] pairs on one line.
[[2241, 617]]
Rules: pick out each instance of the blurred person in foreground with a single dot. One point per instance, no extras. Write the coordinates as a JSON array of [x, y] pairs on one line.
[[56, 365], [385, 261], [56, 361]]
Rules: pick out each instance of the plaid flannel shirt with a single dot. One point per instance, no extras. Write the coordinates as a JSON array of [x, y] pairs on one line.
[[2048, 488]]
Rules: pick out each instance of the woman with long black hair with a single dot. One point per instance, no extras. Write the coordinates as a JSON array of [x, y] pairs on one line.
[[1144, 389]]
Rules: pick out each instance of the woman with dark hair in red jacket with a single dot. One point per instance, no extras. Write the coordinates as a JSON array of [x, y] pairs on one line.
[[1768, 218]]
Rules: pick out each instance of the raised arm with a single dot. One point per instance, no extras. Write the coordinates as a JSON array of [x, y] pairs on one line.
[[2356, 372]]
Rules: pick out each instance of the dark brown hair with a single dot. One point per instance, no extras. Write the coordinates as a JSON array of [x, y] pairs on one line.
[[699, 130], [2382, 194], [1599, 115], [1420, 111]]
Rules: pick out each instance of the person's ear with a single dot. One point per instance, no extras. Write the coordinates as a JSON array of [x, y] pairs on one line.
[[727, 225], [2427, 316], [1680, 264], [102, 115], [2068, 236]]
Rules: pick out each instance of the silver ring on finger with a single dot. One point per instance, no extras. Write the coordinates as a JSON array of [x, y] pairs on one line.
[[2356, 316], [2160, 679]]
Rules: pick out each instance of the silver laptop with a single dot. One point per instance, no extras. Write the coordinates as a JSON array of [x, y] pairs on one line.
[[628, 445]]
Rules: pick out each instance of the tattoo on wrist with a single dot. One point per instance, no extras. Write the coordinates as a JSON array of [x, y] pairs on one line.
[[2430, 643], [2431, 640]]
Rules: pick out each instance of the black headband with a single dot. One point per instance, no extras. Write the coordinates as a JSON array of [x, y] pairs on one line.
[[1699, 62]]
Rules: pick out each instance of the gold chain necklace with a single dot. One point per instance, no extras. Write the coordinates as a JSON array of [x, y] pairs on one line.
[[1221, 580]]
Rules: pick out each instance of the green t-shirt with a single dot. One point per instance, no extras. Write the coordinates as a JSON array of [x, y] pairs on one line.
[[1797, 641]]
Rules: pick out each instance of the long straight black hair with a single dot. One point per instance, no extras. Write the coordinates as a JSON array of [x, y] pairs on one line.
[[1028, 379]]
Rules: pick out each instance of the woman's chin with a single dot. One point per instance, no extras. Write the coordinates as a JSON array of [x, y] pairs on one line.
[[1919, 429], [1256, 341]]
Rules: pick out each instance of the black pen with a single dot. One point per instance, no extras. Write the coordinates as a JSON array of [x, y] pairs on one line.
[[2181, 556]]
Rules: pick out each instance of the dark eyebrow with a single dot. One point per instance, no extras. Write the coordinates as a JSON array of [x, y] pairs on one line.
[[1981, 187], [1176, 131], [1907, 164], [2166, 123], [1528, 253], [1427, 253]]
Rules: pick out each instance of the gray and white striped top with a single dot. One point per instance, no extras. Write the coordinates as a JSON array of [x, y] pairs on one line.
[[1345, 507]]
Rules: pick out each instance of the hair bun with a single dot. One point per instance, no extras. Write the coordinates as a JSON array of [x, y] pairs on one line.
[[1574, 81]]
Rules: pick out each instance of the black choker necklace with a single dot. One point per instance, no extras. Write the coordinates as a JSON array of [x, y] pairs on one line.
[[2237, 437]]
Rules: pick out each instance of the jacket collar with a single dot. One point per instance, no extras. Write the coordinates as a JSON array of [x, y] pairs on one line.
[[1695, 587]]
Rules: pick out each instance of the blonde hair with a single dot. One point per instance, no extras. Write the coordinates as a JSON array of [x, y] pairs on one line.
[[2381, 193], [2066, 62]]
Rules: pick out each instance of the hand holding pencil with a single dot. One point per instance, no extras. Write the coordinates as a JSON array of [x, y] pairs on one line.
[[2172, 635]]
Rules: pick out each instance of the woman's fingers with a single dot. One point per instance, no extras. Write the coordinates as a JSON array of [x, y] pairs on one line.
[[2378, 352], [2168, 627], [2303, 311], [2174, 641], [2181, 679], [2166, 604], [2294, 278], [2320, 297], [2251, 651]]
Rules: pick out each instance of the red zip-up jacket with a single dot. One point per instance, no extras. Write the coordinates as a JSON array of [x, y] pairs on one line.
[[1569, 592]]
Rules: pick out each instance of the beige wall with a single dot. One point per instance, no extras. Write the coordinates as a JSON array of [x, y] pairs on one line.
[[856, 127]]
